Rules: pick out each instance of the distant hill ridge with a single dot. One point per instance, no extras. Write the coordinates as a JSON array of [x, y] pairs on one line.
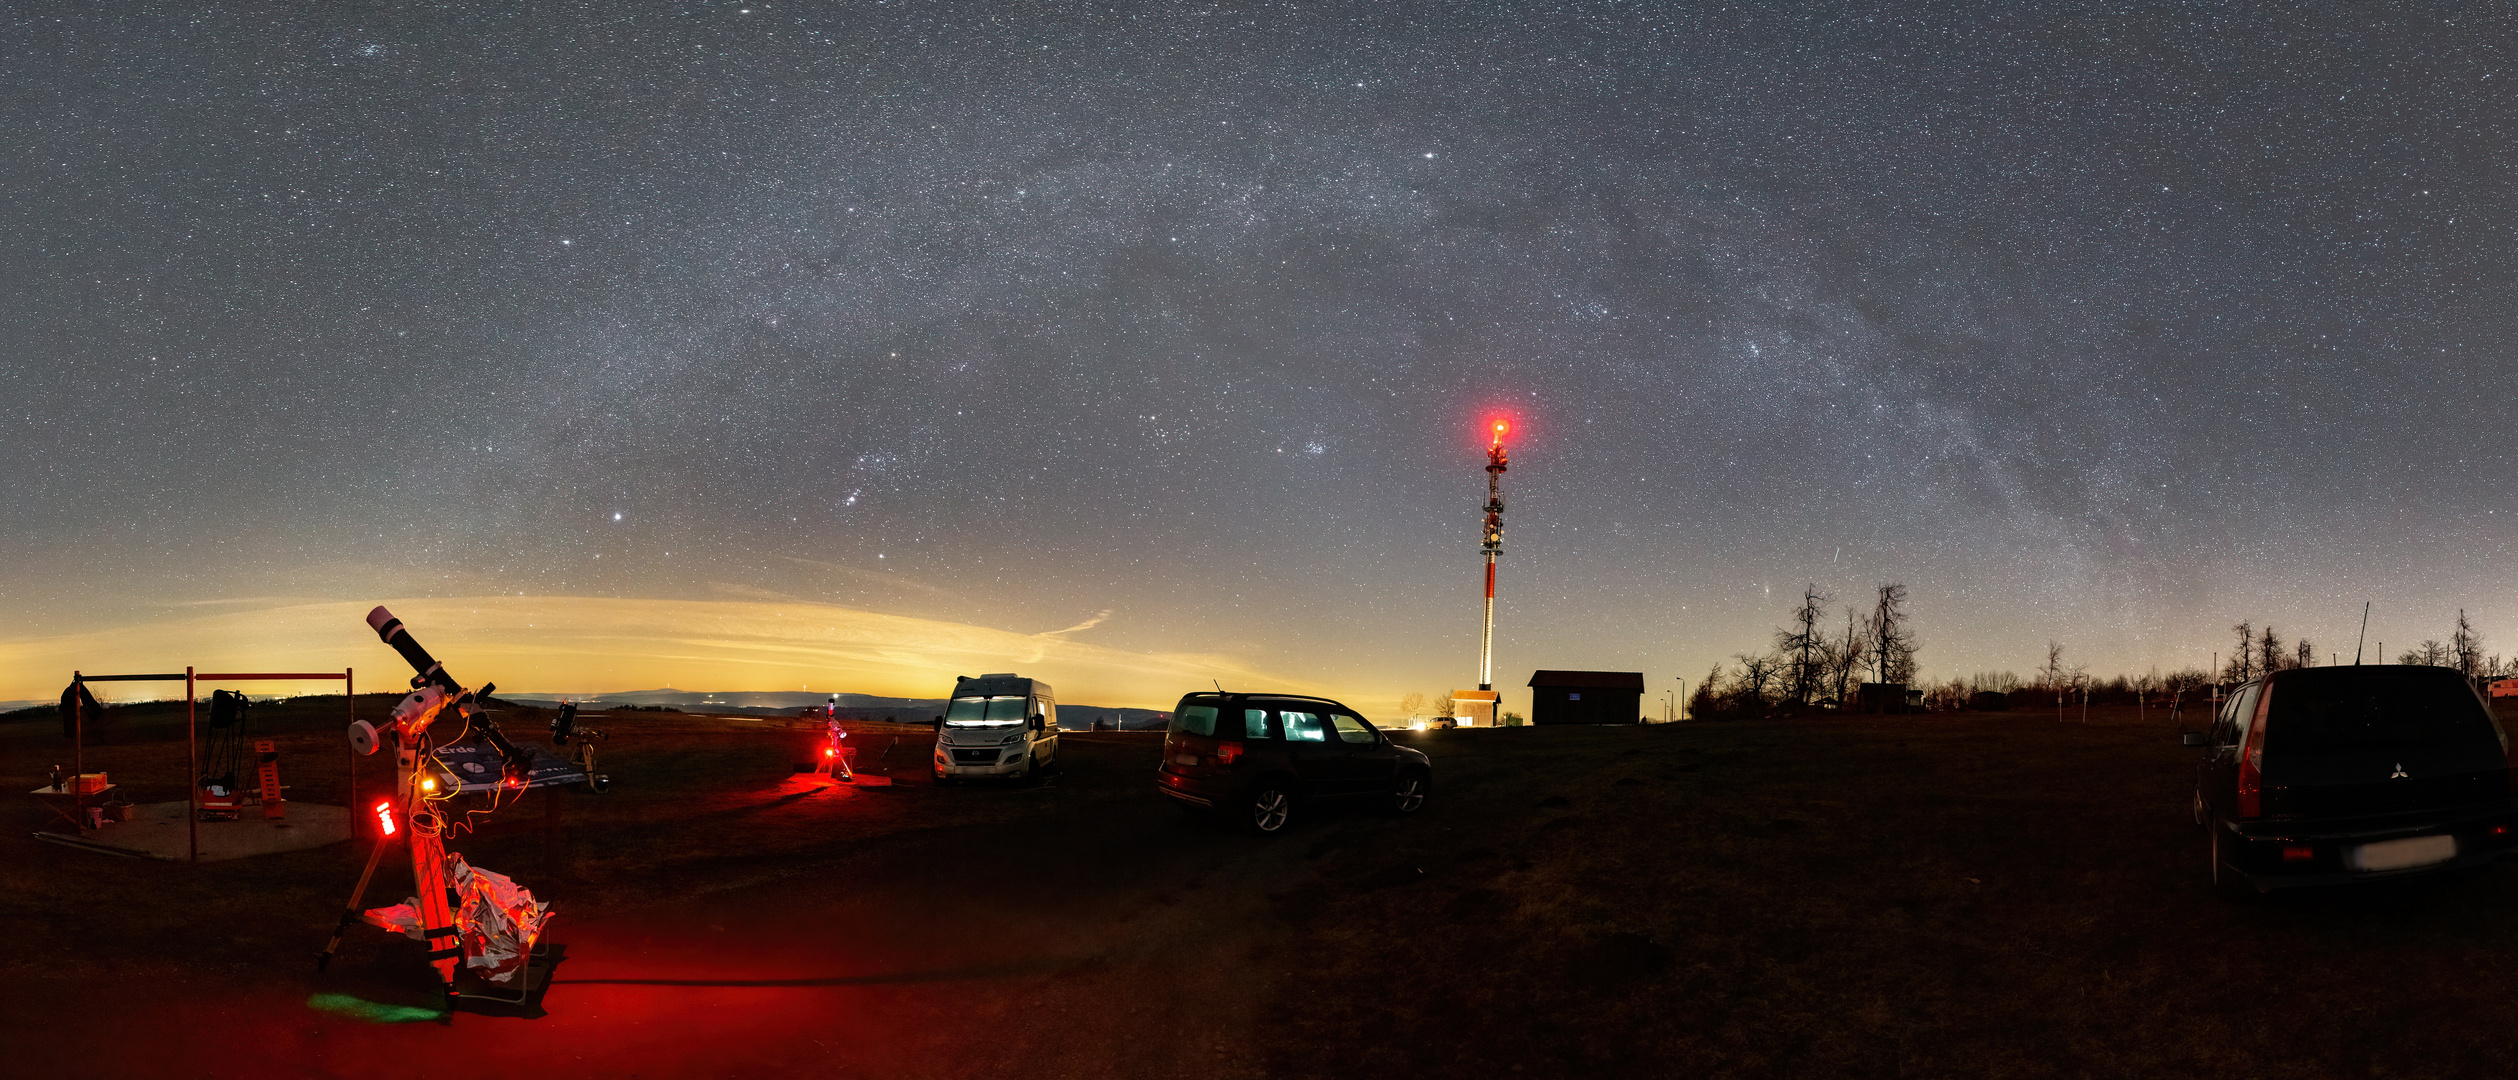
[[752, 699], [851, 706], [778, 702]]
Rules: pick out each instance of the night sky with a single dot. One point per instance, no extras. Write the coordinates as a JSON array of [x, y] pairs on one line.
[[855, 347]]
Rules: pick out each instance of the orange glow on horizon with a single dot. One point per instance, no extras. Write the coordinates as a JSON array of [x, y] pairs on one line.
[[577, 644]]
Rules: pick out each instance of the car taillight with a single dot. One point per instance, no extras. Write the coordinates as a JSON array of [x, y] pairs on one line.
[[1227, 753], [2251, 758]]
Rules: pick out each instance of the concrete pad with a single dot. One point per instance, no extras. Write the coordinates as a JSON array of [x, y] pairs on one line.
[[156, 831]]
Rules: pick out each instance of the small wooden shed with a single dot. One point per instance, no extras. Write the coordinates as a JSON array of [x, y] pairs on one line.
[[1586, 697]]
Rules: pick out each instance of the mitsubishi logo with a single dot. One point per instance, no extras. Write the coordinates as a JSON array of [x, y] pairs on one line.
[[2399, 773]]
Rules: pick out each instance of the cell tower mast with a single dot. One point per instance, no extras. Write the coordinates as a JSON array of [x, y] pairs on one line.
[[1493, 546]]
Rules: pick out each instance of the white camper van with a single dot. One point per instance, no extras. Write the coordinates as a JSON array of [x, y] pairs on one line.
[[997, 725]]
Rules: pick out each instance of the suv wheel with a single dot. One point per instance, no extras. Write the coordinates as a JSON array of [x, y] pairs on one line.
[[1409, 796], [1271, 807]]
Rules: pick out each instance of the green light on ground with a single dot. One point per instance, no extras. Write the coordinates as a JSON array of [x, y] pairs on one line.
[[372, 1011]]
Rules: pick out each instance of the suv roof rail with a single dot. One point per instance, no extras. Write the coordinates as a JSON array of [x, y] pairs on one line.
[[1265, 694]]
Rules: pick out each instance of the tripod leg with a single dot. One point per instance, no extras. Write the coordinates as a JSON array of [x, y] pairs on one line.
[[438, 902], [350, 914]]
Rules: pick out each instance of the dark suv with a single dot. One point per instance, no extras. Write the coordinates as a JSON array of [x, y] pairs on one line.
[[1256, 757], [2320, 776]]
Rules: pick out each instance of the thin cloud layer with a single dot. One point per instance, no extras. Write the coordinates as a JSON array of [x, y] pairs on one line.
[[597, 644]]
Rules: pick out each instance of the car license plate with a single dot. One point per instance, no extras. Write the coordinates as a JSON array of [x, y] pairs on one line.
[[2399, 854], [1184, 759]]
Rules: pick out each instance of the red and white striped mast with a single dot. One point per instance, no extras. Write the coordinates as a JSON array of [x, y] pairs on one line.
[[1493, 546]]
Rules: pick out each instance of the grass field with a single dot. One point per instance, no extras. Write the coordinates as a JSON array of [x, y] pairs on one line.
[[1938, 895]]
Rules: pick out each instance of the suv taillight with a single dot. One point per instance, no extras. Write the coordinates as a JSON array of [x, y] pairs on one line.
[[2251, 782], [1227, 753]]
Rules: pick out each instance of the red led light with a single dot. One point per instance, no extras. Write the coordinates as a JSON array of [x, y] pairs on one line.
[[829, 752], [2298, 853], [2500, 830], [384, 815]]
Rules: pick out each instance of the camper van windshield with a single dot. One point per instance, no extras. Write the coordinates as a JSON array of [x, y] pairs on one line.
[[975, 711]]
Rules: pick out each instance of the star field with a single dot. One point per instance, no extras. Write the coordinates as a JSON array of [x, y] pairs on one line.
[[2111, 324]]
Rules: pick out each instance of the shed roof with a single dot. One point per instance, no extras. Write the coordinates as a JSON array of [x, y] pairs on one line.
[[1610, 680]]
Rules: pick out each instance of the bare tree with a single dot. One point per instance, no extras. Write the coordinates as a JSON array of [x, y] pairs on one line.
[[2430, 653], [2051, 676], [1893, 642], [2270, 655], [2187, 681], [1706, 702], [1411, 704], [2465, 647], [2307, 655], [1804, 648], [1758, 675], [1445, 708], [2242, 663], [1998, 682], [1845, 657]]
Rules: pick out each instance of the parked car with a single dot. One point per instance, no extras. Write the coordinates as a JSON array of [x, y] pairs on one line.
[[2323, 776], [1260, 758]]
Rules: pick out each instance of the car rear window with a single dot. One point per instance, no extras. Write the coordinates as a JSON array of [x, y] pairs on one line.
[[1194, 719], [2350, 711]]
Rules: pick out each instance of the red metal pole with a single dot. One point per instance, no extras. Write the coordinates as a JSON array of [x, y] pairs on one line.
[[349, 691], [192, 781], [78, 750]]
